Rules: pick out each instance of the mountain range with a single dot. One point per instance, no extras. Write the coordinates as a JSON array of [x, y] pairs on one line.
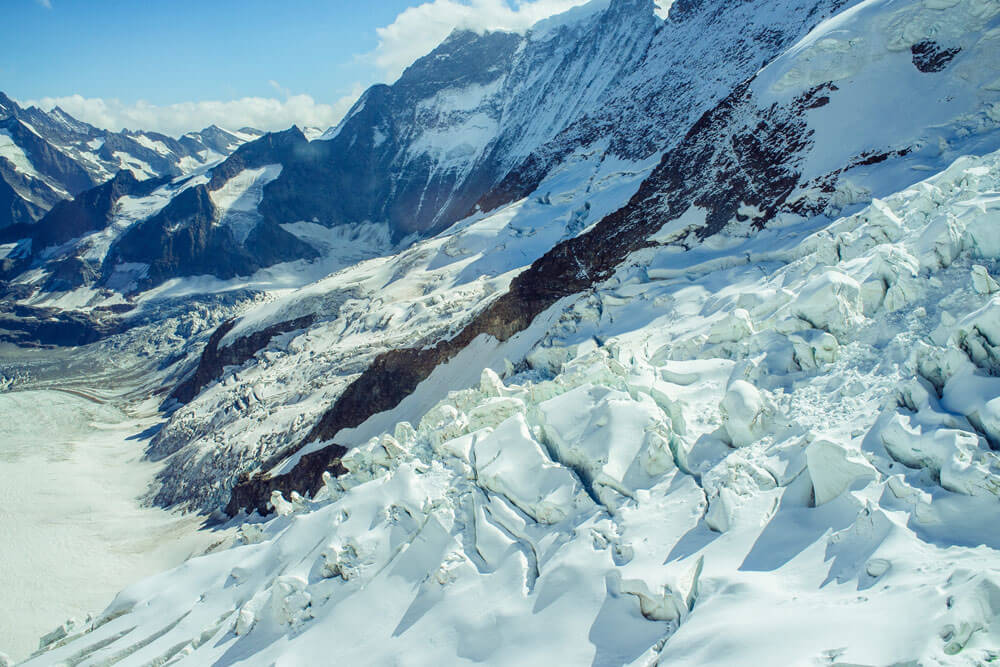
[[591, 342], [48, 157]]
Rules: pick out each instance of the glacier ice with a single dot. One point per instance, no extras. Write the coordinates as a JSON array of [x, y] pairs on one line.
[[644, 485]]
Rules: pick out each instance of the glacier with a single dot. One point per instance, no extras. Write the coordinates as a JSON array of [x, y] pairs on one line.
[[788, 433], [708, 375], [72, 531]]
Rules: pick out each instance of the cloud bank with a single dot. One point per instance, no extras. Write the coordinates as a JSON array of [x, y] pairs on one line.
[[417, 30], [175, 119]]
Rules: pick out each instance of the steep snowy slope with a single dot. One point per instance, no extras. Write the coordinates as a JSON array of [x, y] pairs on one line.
[[785, 430]]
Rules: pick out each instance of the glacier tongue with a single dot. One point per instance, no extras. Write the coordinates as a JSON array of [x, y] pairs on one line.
[[748, 446]]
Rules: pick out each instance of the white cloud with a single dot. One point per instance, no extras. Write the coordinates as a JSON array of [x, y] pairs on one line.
[[417, 30], [176, 119], [44, 3]]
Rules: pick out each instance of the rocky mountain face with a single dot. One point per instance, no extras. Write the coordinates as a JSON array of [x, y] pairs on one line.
[[46, 157], [478, 123], [68, 189], [185, 239]]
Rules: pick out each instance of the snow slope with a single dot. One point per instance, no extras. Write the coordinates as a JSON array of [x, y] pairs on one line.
[[783, 430]]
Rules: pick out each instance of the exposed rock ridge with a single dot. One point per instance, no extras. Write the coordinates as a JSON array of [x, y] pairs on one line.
[[184, 239], [89, 211], [929, 56], [365, 172], [30, 326], [272, 147]]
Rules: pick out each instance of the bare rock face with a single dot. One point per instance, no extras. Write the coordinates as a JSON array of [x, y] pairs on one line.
[[89, 211], [280, 147], [253, 493], [183, 239], [929, 56], [29, 326], [374, 167], [14, 209]]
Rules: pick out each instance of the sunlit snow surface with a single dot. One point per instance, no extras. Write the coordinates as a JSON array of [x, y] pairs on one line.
[[773, 449], [71, 529]]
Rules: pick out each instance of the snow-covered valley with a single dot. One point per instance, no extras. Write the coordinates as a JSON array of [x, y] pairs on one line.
[[72, 529]]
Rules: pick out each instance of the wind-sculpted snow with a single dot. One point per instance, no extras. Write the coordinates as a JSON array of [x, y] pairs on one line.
[[786, 429]]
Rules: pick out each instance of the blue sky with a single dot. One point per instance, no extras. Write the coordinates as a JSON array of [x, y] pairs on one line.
[[165, 51], [175, 65]]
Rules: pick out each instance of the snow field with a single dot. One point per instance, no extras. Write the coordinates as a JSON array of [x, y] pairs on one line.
[[238, 199], [72, 532]]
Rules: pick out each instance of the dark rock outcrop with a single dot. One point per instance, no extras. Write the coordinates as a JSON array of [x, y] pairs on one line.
[[71, 273], [184, 239], [929, 56], [47, 327], [89, 211], [272, 148], [14, 209], [254, 493], [213, 360], [47, 159]]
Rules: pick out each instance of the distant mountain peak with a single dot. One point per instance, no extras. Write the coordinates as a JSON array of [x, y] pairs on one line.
[[54, 155]]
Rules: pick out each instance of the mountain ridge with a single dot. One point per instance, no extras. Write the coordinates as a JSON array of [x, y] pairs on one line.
[[59, 157]]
